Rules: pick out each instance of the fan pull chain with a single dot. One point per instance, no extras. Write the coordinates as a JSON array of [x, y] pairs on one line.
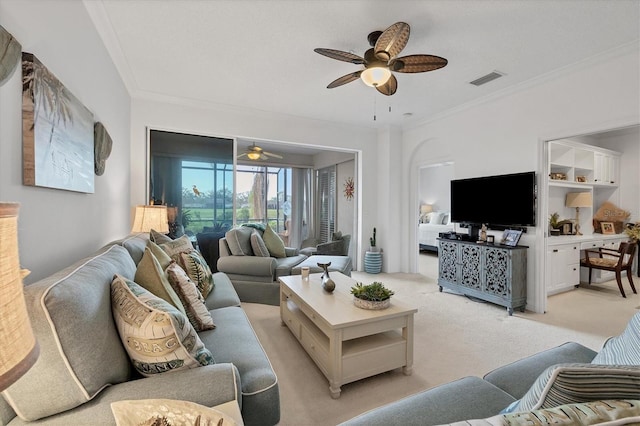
[[374, 107]]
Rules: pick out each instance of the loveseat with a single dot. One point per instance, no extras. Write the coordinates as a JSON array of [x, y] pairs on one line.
[[570, 379], [84, 366]]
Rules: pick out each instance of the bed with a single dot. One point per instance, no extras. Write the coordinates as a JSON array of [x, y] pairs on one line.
[[430, 227]]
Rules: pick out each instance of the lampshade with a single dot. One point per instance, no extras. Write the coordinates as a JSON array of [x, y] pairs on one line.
[[426, 208], [151, 217], [253, 155], [375, 76], [18, 347], [579, 199]]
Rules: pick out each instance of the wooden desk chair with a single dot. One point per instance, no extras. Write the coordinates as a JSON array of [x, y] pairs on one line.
[[612, 260]]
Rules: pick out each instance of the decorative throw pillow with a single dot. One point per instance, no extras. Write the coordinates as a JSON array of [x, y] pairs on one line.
[[274, 243], [623, 412], [151, 276], [258, 246], [259, 226], [157, 337], [573, 383], [190, 297], [239, 241], [158, 237], [161, 256], [172, 412], [336, 236], [174, 247], [197, 269], [623, 349]]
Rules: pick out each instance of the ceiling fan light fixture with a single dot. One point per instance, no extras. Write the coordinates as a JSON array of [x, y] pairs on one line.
[[253, 155], [375, 76]]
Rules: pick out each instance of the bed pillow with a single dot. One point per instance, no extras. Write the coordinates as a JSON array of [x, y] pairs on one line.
[[574, 383], [191, 298], [623, 349], [157, 337]]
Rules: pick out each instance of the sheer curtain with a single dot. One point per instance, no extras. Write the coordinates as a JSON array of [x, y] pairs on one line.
[[301, 206]]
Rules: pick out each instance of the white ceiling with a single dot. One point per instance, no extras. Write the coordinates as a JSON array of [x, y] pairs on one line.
[[259, 54]]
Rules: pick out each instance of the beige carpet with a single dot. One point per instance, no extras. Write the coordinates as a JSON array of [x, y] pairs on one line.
[[454, 337]]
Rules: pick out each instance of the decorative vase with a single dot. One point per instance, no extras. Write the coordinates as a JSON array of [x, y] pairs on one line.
[[373, 305], [328, 285], [372, 262]]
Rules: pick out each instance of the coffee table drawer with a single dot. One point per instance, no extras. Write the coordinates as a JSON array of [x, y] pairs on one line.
[[317, 346], [374, 354], [290, 318]]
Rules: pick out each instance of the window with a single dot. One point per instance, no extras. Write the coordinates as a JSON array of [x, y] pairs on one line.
[[193, 175], [326, 196]]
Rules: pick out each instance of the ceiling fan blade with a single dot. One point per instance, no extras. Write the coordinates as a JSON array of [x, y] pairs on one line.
[[392, 41], [263, 157], [340, 55], [344, 79], [244, 154], [272, 155], [417, 63], [390, 87]]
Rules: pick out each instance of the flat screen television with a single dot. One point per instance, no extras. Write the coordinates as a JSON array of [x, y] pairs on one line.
[[499, 202]]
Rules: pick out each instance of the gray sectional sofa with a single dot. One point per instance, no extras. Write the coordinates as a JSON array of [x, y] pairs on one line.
[[83, 365], [550, 385]]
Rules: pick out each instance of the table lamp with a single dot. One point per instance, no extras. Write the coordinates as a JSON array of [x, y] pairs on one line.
[[151, 217], [18, 346], [426, 208], [577, 200]]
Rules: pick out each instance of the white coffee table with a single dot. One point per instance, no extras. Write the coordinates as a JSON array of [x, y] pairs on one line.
[[347, 343]]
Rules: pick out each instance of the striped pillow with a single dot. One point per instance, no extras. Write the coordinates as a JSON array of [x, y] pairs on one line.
[[573, 383], [623, 349]]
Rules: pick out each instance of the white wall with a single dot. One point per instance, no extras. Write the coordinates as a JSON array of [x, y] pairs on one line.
[[346, 207], [435, 186], [211, 120], [504, 134], [59, 227]]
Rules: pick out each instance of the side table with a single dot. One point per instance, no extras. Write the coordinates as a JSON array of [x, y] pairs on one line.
[[372, 262]]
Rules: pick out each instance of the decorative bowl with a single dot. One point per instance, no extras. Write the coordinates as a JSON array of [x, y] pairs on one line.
[[371, 304]]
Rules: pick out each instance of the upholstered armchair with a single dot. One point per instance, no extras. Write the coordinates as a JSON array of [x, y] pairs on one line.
[[338, 246]]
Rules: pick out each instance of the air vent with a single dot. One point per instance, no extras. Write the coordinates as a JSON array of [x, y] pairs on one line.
[[486, 78]]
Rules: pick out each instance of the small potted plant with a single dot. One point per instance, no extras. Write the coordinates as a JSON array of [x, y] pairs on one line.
[[372, 242], [554, 224], [372, 296]]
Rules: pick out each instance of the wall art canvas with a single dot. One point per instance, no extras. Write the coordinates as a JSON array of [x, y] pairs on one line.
[[57, 132]]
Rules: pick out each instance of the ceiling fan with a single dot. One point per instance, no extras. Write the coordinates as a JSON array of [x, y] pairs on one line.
[[381, 60], [254, 152]]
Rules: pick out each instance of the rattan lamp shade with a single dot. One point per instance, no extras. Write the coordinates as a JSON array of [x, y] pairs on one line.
[[151, 217], [18, 346], [579, 199]]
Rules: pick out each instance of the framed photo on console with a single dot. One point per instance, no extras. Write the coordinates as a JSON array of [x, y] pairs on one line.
[[511, 237], [607, 228]]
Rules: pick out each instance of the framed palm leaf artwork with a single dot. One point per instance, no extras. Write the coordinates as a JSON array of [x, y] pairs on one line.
[[57, 132]]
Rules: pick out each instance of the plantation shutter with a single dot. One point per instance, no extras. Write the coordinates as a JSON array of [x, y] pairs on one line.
[[326, 203]]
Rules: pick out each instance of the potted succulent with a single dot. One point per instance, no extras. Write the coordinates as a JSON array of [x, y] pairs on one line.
[[371, 296]]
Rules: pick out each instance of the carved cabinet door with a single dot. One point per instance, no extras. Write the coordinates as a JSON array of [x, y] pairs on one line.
[[470, 266], [497, 273]]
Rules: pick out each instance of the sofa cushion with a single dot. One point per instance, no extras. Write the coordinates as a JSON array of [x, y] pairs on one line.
[[573, 383], [70, 313], [177, 246], [223, 294], [190, 297], [621, 412], [450, 402], [158, 237], [193, 263], [157, 337], [274, 243], [239, 241], [161, 256], [167, 412], [623, 349], [258, 245], [285, 264], [151, 276]]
